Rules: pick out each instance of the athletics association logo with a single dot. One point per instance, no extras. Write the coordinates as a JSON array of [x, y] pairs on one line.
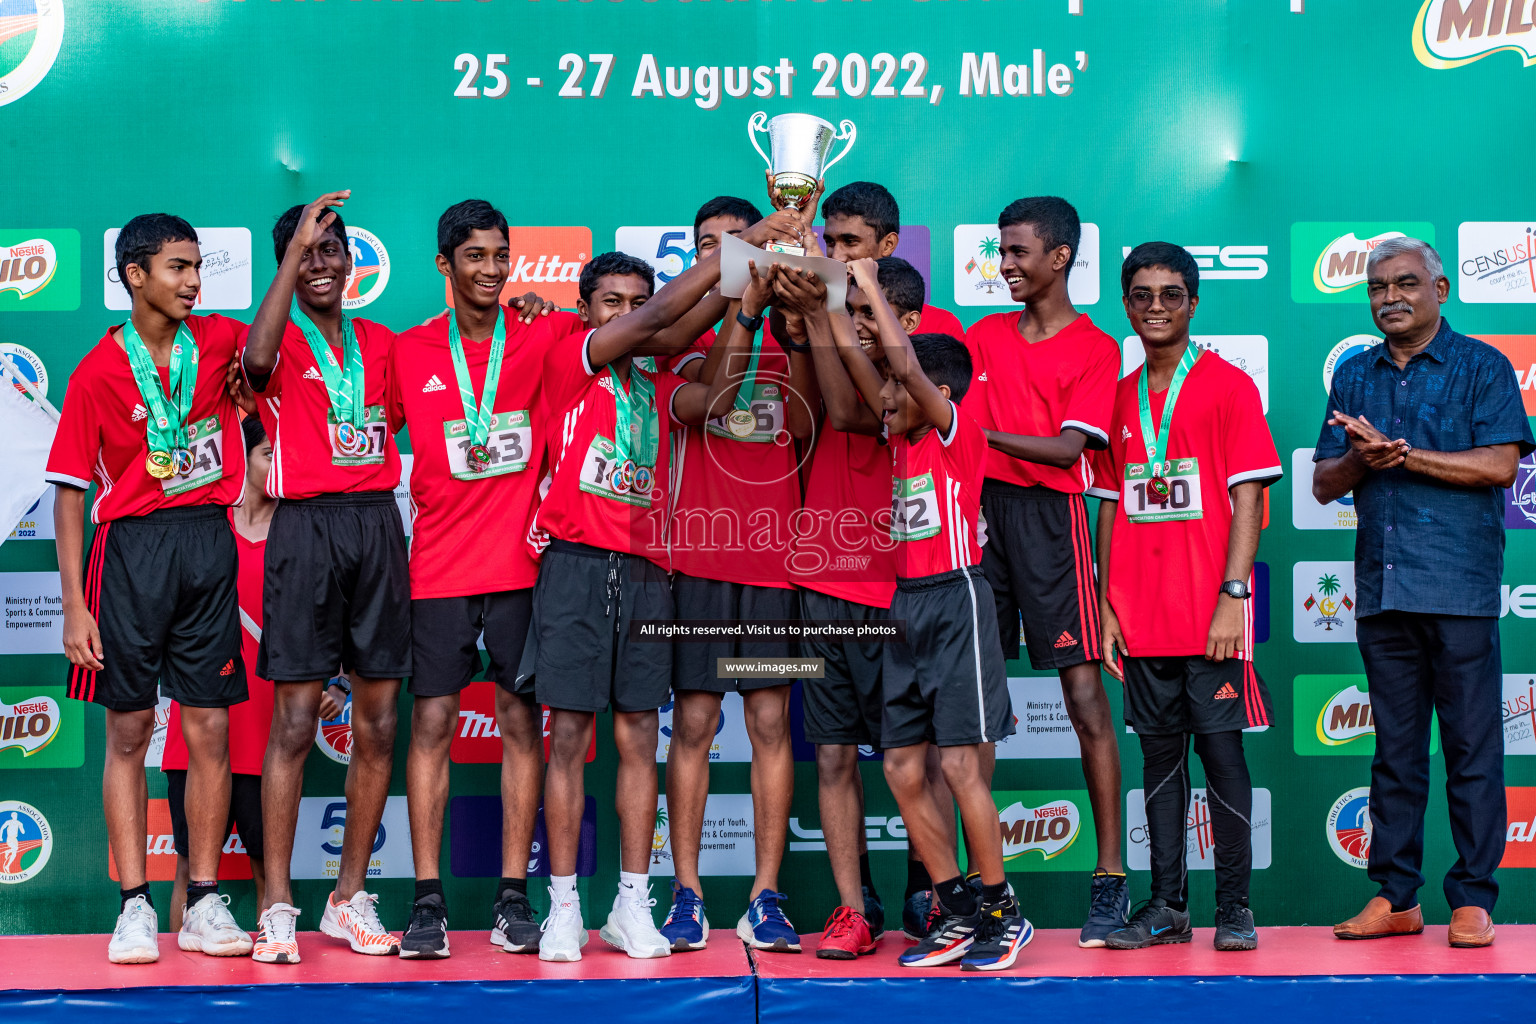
[[29, 365], [1452, 33], [26, 840], [1343, 352], [370, 269], [334, 735], [1349, 827], [31, 32]]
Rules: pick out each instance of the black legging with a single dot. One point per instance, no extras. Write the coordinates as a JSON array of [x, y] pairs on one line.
[[1229, 792]]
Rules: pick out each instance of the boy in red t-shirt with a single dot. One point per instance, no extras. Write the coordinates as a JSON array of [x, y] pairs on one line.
[[147, 416], [944, 683], [1183, 482]]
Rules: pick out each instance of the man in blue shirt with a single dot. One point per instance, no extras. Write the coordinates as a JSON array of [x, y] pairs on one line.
[[1425, 430]]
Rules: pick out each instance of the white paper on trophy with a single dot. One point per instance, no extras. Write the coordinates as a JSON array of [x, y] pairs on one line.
[[734, 275]]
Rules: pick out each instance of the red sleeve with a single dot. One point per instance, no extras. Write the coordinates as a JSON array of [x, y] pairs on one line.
[[394, 405], [565, 370], [1248, 446], [1092, 401], [940, 321], [1103, 474], [666, 386], [223, 337], [698, 350], [77, 442]]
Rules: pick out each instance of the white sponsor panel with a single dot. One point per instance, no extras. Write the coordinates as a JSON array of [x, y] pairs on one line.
[[1199, 842], [37, 522], [403, 492], [879, 834], [1040, 717], [1518, 600], [726, 847], [34, 613], [730, 742], [1225, 262], [154, 757], [226, 273], [668, 249], [1496, 261], [1323, 602], [323, 822], [978, 274], [1247, 352], [1306, 513], [1342, 352], [27, 363], [1519, 713]]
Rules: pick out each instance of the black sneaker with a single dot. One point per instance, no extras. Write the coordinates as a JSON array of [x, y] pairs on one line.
[[950, 941], [426, 938], [516, 929], [1109, 901], [1154, 923], [1004, 931], [874, 913], [1234, 928], [915, 913]]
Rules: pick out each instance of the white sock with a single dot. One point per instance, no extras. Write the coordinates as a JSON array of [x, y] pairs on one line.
[[633, 883], [565, 887]]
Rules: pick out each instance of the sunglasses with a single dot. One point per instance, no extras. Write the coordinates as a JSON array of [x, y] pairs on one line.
[[1172, 298]]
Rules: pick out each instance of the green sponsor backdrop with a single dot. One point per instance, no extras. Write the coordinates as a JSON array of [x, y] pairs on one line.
[[1251, 132]]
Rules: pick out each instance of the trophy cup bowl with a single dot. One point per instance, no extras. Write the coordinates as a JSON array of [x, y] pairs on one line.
[[800, 144]]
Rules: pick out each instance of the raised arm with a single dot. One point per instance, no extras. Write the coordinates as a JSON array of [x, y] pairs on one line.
[[695, 404], [271, 320], [899, 355]]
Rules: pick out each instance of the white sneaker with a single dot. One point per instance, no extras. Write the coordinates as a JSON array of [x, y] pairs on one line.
[[631, 928], [357, 921], [209, 927], [564, 932], [134, 940], [277, 942]]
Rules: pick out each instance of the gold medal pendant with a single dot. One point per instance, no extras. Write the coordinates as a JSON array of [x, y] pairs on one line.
[[741, 423], [159, 465]]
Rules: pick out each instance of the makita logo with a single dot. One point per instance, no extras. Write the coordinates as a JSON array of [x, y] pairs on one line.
[[547, 269], [473, 725], [550, 257]]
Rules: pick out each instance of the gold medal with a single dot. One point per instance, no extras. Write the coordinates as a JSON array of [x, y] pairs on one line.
[[159, 465], [741, 422]]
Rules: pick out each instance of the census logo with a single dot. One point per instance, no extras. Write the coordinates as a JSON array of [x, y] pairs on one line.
[[978, 279], [29, 365], [1496, 261], [1344, 351], [669, 250], [370, 268], [1199, 834], [31, 32], [1247, 352], [334, 735], [1519, 714], [1451, 33], [1349, 827], [1049, 830], [26, 840]]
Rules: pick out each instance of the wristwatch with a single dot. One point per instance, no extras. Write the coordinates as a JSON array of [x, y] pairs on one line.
[[751, 323], [340, 682], [1236, 588]]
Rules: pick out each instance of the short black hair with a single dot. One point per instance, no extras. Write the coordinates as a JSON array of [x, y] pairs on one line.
[[461, 220], [1161, 254], [945, 360], [902, 284], [613, 263], [1053, 218], [254, 432], [724, 206], [144, 236], [868, 200], [288, 223]]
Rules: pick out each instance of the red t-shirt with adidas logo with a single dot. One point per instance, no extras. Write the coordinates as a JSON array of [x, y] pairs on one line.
[[936, 498], [103, 436], [468, 533]]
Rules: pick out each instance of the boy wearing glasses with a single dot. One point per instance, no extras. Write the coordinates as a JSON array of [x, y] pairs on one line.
[[1183, 481], [1045, 381]]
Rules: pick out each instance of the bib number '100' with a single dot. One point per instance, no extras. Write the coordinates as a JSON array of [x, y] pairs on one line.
[[604, 475], [1142, 503], [914, 508], [767, 410], [358, 446], [510, 442], [205, 440]]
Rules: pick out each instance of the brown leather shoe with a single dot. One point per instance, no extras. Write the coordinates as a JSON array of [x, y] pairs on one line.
[[1470, 927], [1377, 921]]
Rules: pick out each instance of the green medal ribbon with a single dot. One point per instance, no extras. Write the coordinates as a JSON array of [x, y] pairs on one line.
[[345, 385], [478, 419], [1157, 451], [744, 396], [637, 423], [167, 426]]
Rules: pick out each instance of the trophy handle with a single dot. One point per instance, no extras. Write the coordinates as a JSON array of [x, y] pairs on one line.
[[845, 130], [758, 122]]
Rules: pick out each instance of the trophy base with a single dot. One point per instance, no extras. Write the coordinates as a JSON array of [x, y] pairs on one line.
[[784, 248]]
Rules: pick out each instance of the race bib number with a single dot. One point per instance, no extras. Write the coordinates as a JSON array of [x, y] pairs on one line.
[[767, 410], [367, 447], [205, 440], [510, 442], [1143, 505], [914, 508], [606, 476]]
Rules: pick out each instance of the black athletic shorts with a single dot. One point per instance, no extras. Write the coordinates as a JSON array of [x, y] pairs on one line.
[[162, 590], [694, 665], [579, 655], [846, 704], [336, 591], [444, 654], [946, 685], [1039, 558], [1186, 693], [244, 811]]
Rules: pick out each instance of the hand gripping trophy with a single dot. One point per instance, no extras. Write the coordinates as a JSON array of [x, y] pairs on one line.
[[800, 144]]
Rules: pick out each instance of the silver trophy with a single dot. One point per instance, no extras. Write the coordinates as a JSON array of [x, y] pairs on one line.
[[800, 144]]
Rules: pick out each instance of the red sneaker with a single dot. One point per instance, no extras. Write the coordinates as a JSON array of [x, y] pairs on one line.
[[846, 936]]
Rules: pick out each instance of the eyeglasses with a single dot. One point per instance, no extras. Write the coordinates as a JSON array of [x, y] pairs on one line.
[[1172, 298]]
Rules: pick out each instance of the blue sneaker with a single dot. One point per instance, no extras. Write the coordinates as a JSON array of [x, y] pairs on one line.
[[686, 927], [916, 915], [765, 927], [1109, 904], [874, 912]]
